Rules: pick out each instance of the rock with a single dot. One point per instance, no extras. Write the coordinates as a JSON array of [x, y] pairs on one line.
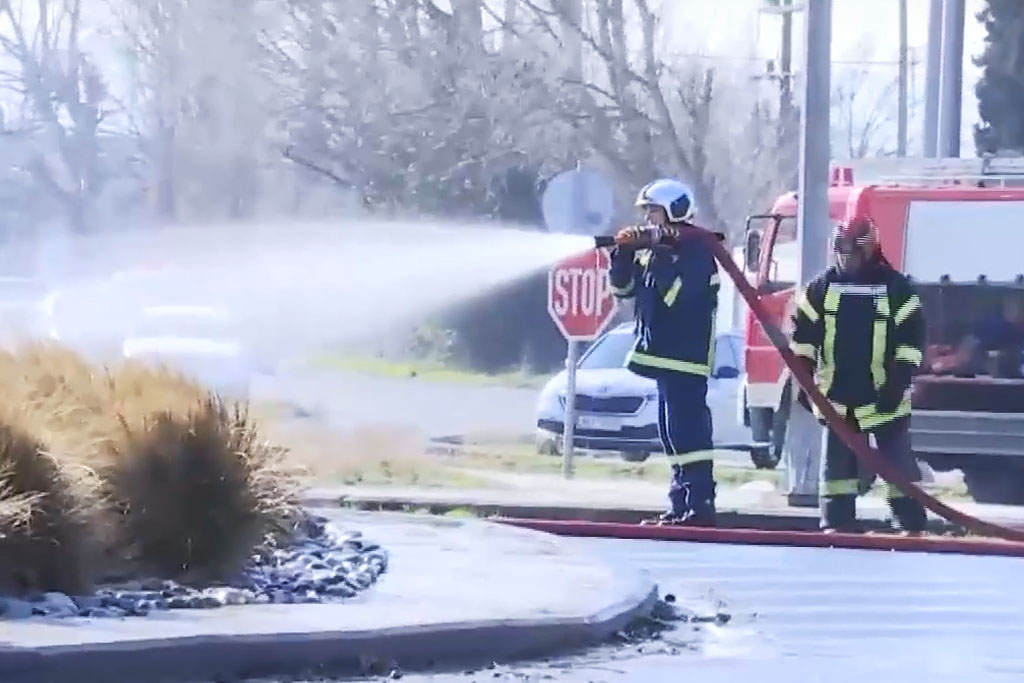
[[178, 602], [172, 588], [88, 602], [282, 597], [59, 605], [139, 610], [11, 608], [230, 596], [209, 602], [340, 590], [361, 579]]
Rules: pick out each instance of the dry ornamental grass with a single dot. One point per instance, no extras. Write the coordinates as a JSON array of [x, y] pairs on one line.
[[127, 471]]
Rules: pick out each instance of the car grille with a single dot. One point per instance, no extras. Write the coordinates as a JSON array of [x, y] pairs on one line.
[[621, 405], [645, 433]]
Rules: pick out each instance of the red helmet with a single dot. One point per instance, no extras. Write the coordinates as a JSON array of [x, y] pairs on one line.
[[858, 235]]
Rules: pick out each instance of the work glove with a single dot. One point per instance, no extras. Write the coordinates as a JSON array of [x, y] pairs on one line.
[[890, 395], [630, 237], [889, 398]]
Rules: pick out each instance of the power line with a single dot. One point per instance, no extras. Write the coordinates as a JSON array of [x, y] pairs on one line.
[[750, 59]]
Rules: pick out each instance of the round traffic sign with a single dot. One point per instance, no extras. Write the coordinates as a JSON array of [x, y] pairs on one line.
[[580, 299], [578, 202]]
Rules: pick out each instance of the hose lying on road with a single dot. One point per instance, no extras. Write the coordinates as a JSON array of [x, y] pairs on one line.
[[866, 455], [804, 539]]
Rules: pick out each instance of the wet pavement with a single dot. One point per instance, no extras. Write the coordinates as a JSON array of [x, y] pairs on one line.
[[809, 615]]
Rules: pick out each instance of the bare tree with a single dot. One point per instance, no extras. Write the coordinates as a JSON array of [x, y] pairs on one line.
[[646, 114], [65, 102], [447, 108], [200, 103], [862, 116], [418, 110], [864, 102]]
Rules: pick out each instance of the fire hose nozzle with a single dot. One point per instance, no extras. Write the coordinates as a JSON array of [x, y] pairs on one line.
[[604, 241]]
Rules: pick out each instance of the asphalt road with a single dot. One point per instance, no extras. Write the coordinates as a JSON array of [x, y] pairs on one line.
[[809, 615]]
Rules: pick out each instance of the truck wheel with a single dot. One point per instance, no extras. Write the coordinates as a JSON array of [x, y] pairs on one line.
[[764, 458], [546, 446], [770, 425], [780, 420], [995, 485], [635, 456]]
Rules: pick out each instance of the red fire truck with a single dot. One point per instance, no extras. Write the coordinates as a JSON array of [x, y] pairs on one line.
[[956, 226]]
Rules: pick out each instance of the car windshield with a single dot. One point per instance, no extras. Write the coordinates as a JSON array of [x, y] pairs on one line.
[[609, 352]]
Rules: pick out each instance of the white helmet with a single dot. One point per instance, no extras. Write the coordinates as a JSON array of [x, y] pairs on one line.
[[669, 194]]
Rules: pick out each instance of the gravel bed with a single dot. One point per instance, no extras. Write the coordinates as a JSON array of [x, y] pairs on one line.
[[324, 564]]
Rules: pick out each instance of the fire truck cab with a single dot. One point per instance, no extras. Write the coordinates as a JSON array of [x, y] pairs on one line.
[[956, 226]]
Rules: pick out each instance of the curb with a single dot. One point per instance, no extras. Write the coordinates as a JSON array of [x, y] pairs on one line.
[[344, 653], [725, 519]]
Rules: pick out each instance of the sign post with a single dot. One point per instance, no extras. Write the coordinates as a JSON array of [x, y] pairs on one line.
[[581, 304]]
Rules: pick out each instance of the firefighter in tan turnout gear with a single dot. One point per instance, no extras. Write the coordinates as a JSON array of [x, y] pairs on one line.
[[860, 329]]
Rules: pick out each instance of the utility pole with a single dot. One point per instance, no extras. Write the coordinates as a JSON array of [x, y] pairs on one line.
[[786, 129], [901, 119], [951, 82], [932, 76], [574, 42], [804, 435], [786, 63]]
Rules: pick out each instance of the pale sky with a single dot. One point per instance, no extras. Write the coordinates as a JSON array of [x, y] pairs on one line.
[[734, 29]]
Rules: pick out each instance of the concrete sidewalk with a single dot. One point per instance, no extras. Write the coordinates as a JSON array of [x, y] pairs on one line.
[[457, 592], [755, 505]]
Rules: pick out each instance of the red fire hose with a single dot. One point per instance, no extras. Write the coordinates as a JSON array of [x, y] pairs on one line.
[[858, 443]]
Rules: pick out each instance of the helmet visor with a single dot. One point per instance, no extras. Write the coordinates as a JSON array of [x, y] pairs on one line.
[[846, 244]]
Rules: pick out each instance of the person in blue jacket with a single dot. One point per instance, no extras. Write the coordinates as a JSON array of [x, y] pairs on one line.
[[673, 282]]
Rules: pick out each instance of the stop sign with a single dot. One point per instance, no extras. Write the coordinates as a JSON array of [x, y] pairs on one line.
[[580, 299]]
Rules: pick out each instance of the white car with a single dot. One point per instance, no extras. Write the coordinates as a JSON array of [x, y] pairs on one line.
[[618, 410], [23, 315], [139, 314], [195, 341]]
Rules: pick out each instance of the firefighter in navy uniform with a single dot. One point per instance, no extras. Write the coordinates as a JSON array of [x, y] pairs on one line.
[[674, 282], [860, 326]]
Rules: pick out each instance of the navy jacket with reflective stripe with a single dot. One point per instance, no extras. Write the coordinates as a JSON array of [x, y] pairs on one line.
[[675, 293], [864, 331]]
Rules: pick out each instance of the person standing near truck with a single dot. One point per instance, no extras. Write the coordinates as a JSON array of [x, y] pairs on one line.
[[859, 326], [674, 282]]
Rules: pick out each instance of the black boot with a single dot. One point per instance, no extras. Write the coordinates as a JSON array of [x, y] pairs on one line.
[[908, 515], [839, 515]]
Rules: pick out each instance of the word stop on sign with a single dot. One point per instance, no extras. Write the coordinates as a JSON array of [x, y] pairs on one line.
[[581, 293]]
